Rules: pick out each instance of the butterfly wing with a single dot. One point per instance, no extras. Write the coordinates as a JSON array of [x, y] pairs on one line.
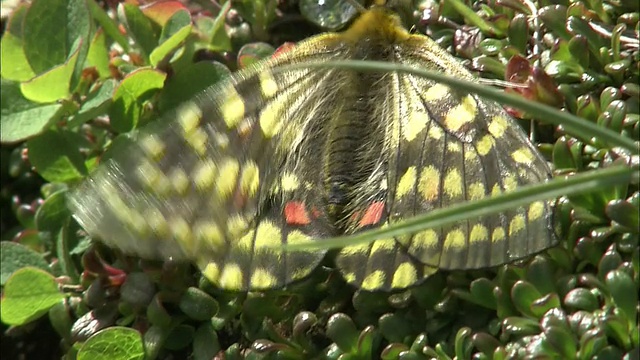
[[222, 183], [445, 147]]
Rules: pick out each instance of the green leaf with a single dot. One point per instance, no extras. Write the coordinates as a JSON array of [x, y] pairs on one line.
[[205, 342], [28, 294], [624, 293], [198, 305], [11, 49], [475, 19], [218, 36], [108, 25], [114, 343], [97, 103], [51, 85], [56, 157], [98, 55], [139, 26], [134, 90], [15, 256], [22, 118], [53, 31], [173, 34], [51, 215]]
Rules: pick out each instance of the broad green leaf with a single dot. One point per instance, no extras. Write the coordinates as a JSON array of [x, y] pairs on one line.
[[140, 27], [52, 214], [129, 97], [21, 118], [54, 30], [11, 49], [97, 103], [28, 294], [218, 37], [98, 55], [14, 256], [56, 157], [113, 343], [53, 84], [173, 34]]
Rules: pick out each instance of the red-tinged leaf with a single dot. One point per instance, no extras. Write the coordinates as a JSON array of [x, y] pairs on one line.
[[160, 12]]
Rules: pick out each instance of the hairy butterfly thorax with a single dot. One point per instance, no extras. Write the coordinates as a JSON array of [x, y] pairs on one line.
[[277, 156]]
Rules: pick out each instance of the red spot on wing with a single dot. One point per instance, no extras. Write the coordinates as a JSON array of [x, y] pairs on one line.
[[295, 213], [373, 214]]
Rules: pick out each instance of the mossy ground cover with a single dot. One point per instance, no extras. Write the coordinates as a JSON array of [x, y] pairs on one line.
[[77, 73]]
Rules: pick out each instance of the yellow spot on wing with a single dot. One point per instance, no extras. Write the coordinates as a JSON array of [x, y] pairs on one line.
[[455, 239], [204, 175], [349, 277], [478, 233], [189, 117], [429, 185], [268, 85], [297, 237], [231, 277], [236, 226], [470, 154], [407, 182], [197, 139], [181, 231], [212, 272], [233, 107], [523, 156], [484, 145], [435, 132], [179, 180], [454, 147], [497, 235], [157, 222], [262, 279], [246, 242], [496, 190], [152, 146], [517, 224], [268, 236], [355, 249], [404, 276], [461, 114], [453, 183], [509, 183], [208, 233], [374, 280], [536, 210], [271, 118], [416, 123], [384, 245], [424, 240], [289, 182], [436, 92], [476, 191], [227, 177], [250, 178], [497, 126]]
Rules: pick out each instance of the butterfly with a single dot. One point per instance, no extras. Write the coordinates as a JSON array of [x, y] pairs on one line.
[[275, 156]]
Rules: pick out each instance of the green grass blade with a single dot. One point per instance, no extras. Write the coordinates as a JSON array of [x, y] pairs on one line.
[[580, 183], [572, 124]]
